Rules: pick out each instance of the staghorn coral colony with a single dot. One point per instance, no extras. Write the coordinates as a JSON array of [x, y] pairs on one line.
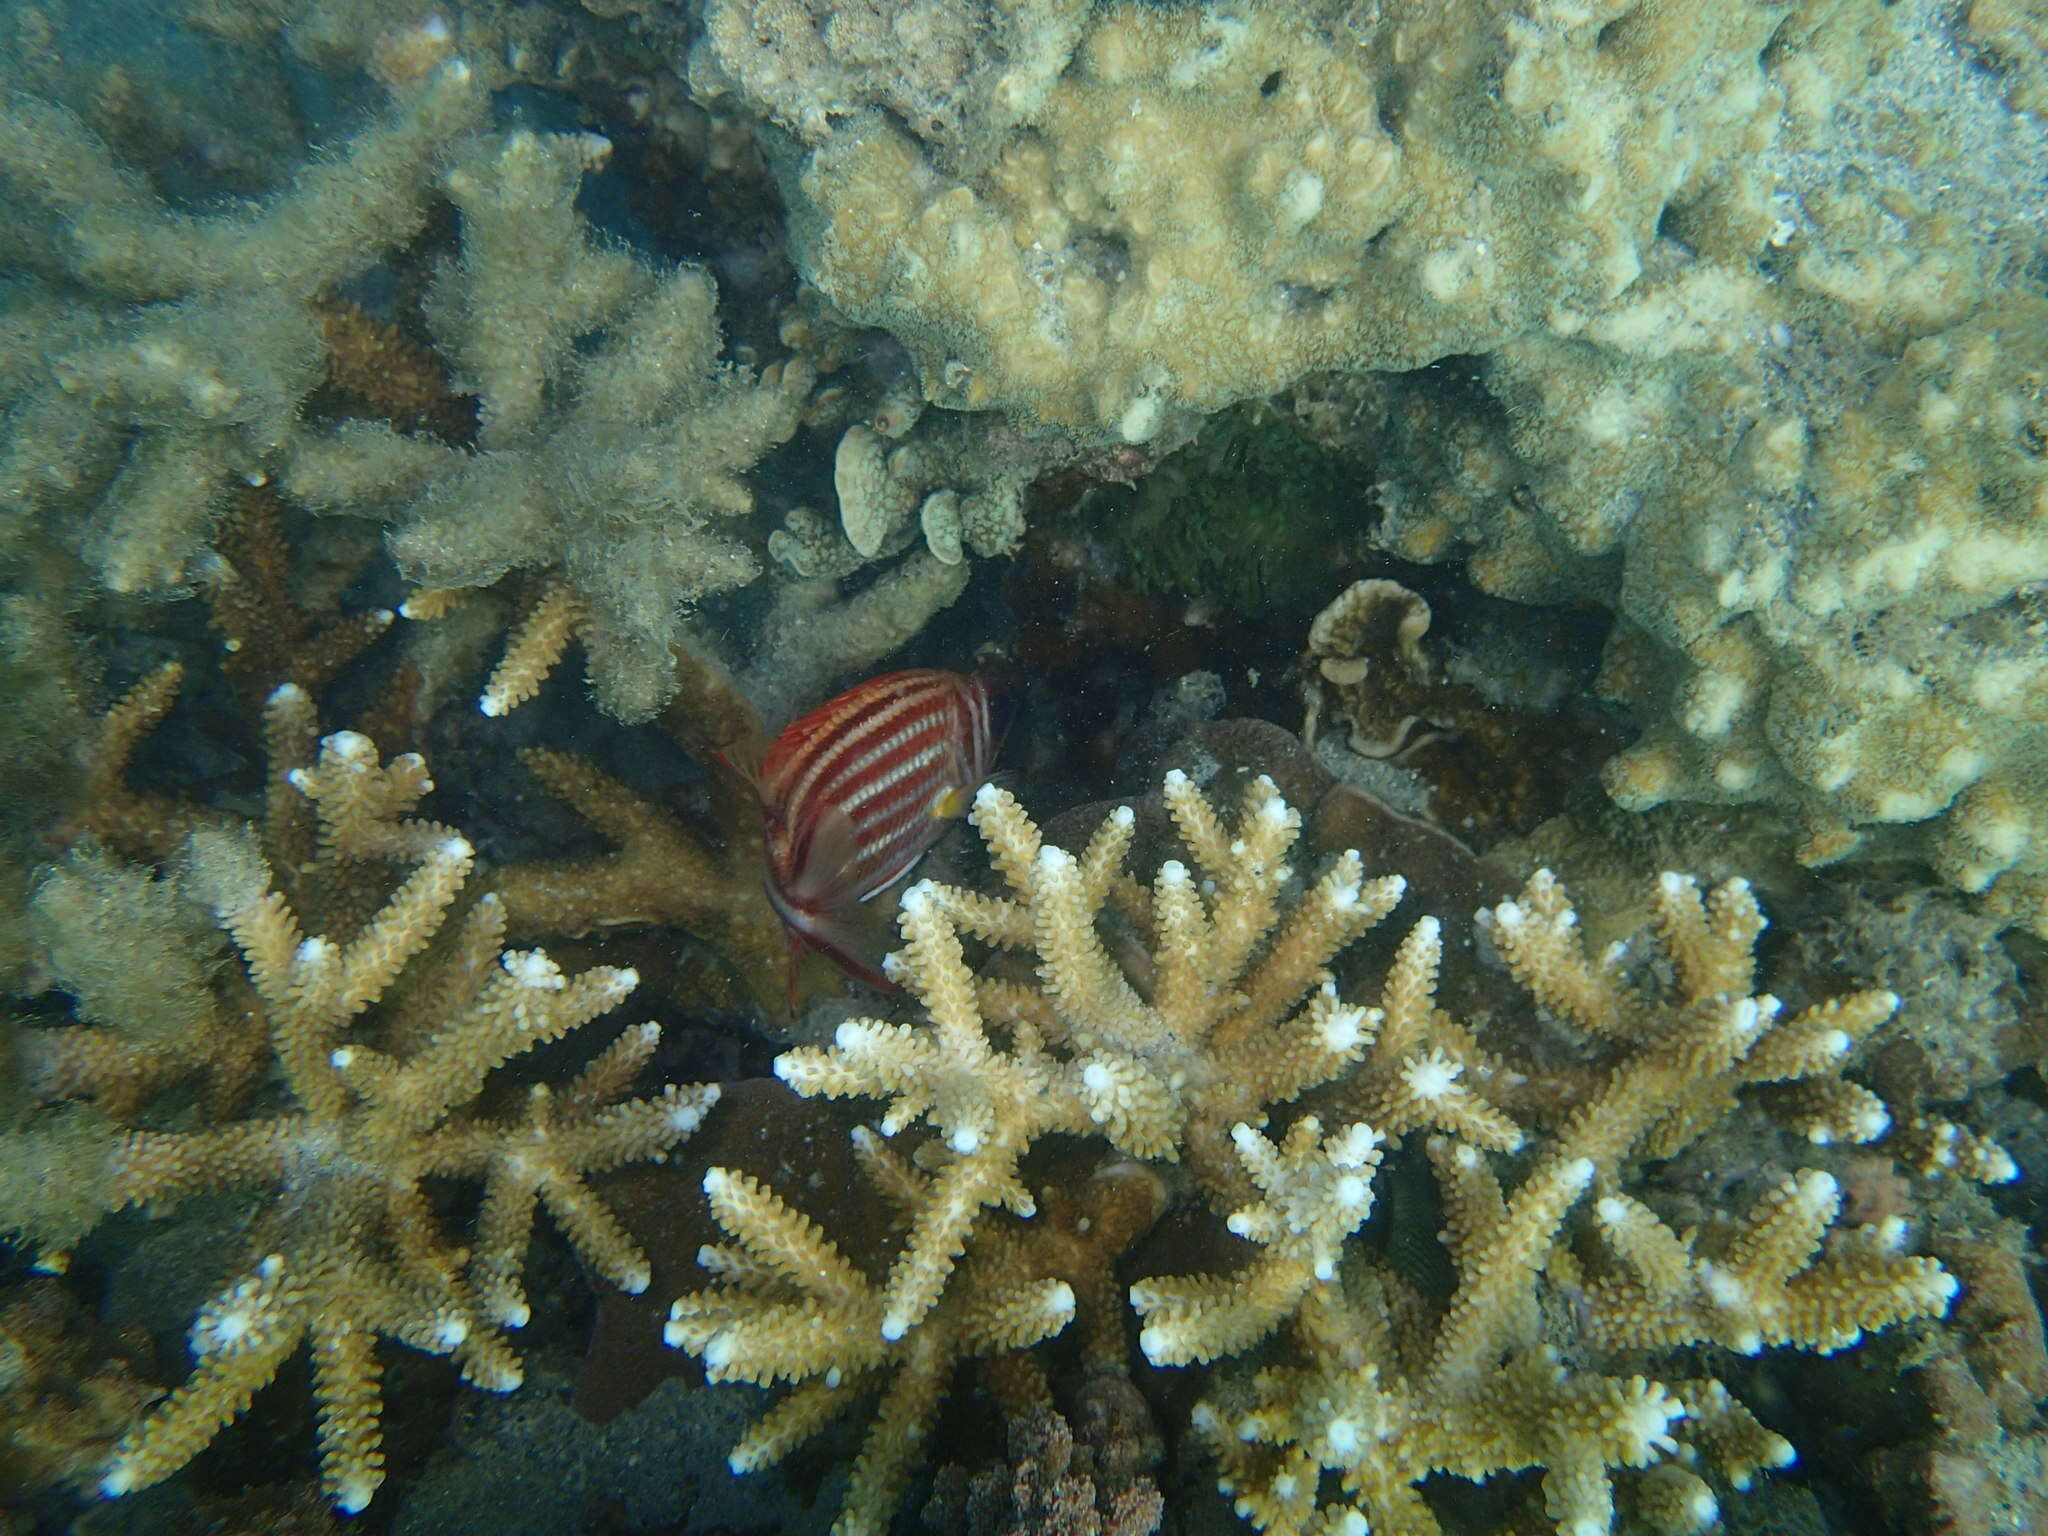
[[1499, 989]]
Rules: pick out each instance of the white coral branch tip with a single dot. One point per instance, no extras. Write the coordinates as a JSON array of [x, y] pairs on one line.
[[531, 968]]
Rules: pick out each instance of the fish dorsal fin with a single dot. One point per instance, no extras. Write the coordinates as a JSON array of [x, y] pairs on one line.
[[793, 741]]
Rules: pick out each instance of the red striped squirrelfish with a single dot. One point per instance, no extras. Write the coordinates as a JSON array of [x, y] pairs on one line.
[[856, 791]]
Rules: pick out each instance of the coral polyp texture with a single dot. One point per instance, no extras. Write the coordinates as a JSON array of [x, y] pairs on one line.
[[1170, 209], [1786, 422], [1565, 1286], [1799, 456], [352, 1249]]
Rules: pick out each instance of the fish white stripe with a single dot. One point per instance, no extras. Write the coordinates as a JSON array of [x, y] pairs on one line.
[[885, 758], [882, 784], [829, 750]]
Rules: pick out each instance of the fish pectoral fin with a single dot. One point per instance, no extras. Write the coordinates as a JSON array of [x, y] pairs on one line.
[[831, 865], [855, 939], [893, 881], [951, 803]]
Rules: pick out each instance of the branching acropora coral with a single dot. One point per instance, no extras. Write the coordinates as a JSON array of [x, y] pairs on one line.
[[1189, 1047], [1239, 1015], [352, 1249], [1393, 1389], [1312, 1196], [177, 360], [790, 1307], [612, 440]]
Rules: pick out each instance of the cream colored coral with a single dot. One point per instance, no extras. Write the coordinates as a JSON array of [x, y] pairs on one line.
[[1389, 1390], [789, 1307], [532, 650], [965, 491], [1695, 1045], [1208, 202], [1815, 509], [1241, 1013], [874, 506], [613, 442], [352, 1249], [1313, 1195], [1770, 1284], [174, 363]]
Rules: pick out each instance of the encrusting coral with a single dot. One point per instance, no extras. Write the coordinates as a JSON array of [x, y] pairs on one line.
[[352, 1249], [1229, 1015], [1799, 457], [1718, 324]]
